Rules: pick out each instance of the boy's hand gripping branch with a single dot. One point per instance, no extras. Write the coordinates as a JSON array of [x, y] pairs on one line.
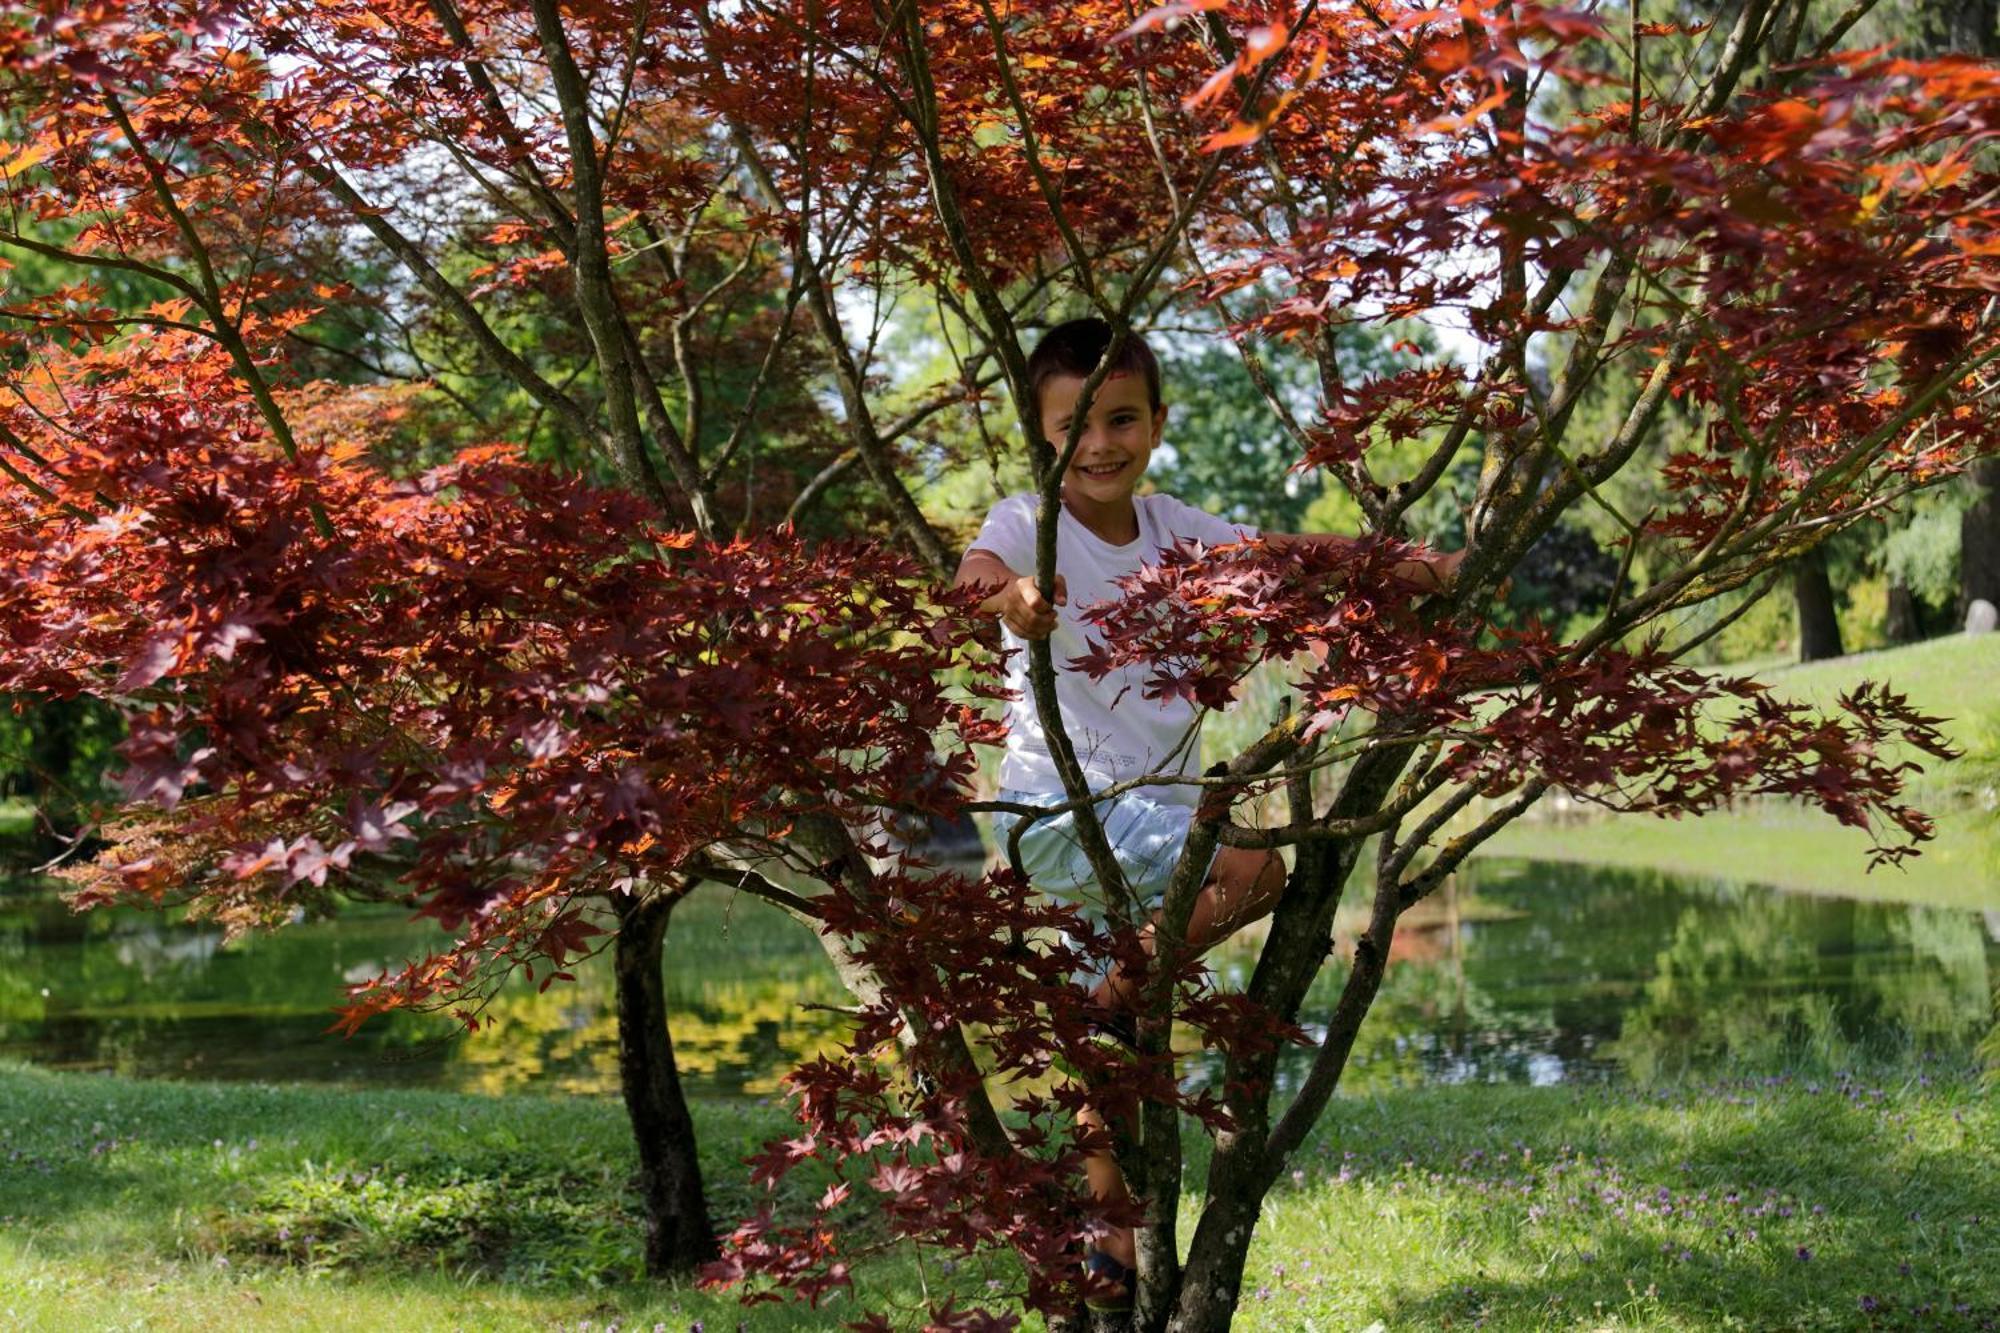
[[1016, 600]]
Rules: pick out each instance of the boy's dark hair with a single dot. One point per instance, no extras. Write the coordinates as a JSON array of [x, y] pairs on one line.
[[1074, 347]]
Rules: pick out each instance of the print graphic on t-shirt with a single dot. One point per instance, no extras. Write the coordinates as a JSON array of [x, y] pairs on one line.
[[1095, 751]]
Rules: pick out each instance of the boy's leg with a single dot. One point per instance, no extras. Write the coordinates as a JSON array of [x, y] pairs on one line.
[[1243, 886], [1107, 1184]]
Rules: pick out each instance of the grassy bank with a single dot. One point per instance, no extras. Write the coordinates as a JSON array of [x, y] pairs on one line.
[[1952, 677], [1795, 1202], [1784, 845], [1796, 847]]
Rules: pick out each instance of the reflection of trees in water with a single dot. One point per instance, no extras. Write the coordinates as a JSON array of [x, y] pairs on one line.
[[1989, 1046], [1782, 975], [1433, 1023], [739, 978], [1944, 997], [1581, 985], [1691, 972], [741, 1036], [135, 994]]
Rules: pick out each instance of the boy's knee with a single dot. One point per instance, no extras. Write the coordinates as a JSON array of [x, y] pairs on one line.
[[1244, 872], [1271, 875]]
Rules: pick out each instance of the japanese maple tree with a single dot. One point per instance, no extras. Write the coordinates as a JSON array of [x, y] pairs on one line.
[[1793, 242], [189, 186], [536, 709]]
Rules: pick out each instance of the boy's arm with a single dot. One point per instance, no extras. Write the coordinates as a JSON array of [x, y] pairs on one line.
[[1433, 573], [1012, 597]]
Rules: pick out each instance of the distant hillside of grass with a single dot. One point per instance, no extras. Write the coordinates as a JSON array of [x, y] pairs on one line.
[[1956, 678], [1795, 847]]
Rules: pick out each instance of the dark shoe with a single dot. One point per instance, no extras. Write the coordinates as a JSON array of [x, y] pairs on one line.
[[1115, 1025], [1107, 1269]]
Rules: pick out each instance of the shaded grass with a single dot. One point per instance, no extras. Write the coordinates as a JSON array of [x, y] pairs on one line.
[[181, 1204], [184, 1206]]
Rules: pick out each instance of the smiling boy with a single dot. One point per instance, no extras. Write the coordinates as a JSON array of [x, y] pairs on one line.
[[1105, 532]]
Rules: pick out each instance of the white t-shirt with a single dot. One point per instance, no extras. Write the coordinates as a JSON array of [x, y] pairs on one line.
[[1117, 732]]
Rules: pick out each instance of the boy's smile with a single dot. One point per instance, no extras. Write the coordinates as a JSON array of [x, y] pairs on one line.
[[1118, 439]]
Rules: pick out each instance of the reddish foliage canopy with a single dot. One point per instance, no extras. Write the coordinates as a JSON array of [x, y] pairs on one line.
[[504, 691], [510, 672]]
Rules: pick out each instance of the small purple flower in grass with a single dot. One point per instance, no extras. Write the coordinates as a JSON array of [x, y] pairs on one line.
[[1869, 1304], [1904, 1268], [1805, 1253]]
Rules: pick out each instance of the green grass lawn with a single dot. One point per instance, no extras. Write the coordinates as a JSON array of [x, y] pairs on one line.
[[1784, 845], [1956, 676], [1787, 1202], [1793, 846]]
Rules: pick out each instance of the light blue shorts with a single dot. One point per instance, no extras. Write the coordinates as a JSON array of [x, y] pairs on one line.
[[1146, 835]]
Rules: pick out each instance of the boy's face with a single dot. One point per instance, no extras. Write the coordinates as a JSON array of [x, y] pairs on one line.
[[1119, 434]]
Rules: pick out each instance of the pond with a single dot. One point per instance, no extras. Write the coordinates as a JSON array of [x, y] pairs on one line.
[[1524, 972]]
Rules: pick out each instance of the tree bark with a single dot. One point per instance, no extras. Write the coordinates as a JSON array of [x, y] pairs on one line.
[[1979, 540], [1903, 623], [1243, 1167], [57, 732], [1819, 627], [1963, 27], [679, 1235]]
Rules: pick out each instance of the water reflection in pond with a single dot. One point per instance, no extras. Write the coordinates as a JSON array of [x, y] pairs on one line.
[[134, 993], [1526, 972], [1541, 973]]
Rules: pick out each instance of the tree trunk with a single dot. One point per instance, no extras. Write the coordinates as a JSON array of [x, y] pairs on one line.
[[1903, 624], [679, 1235], [54, 731], [1979, 540], [1819, 628], [1963, 27], [1248, 1158]]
